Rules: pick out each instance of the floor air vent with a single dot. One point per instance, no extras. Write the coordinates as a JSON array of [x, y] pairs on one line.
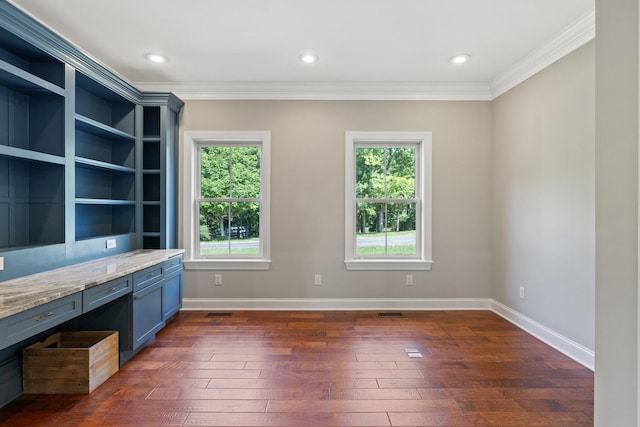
[[390, 315], [219, 314]]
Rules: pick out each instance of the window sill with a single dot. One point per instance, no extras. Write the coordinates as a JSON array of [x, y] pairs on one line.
[[227, 264], [387, 264]]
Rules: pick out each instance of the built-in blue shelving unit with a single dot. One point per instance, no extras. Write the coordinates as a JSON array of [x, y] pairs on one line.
[[84, 156]]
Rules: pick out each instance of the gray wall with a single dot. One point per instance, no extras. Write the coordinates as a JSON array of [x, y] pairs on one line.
[[513, 197], [617, 128], [544, 196], [545, 244], [307, 203]]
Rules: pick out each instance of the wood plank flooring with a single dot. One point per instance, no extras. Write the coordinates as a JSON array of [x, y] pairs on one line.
[[331, 369]]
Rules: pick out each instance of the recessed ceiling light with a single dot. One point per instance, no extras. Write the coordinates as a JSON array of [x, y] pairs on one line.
[[459, 59], [157, 58], [308, 58]]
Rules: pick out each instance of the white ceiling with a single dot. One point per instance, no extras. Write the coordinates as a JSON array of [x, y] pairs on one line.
[[367, 48]]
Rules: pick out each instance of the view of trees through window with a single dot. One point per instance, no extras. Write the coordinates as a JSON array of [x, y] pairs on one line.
[[386, 203], [229, 203]]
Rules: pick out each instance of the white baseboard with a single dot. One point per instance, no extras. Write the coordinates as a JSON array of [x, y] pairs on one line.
[[561, 343], [336, 304], [577, 352]]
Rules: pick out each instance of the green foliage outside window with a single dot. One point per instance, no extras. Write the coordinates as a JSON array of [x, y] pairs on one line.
[[385, 205], [385, 173], [230, 181]]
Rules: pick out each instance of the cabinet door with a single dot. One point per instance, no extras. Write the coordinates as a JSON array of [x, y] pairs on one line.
[[171, 295], [10, 379], [147, 314]]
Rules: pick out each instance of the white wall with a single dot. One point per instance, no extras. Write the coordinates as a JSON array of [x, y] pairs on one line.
[[308, 197], [543, 214]]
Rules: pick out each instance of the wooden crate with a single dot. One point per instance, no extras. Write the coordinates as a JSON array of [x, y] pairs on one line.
[[70, 362]]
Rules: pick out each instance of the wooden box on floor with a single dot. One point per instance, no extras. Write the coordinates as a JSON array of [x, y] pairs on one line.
[[70, 362]]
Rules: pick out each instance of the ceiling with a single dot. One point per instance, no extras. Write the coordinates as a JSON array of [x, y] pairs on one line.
[[366, 48]]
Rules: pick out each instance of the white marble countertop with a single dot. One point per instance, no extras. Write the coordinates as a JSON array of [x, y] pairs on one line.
[[23, 293]]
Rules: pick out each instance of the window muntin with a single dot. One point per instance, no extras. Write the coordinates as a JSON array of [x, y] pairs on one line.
[[228, 200], [386, 206], [388, 200]]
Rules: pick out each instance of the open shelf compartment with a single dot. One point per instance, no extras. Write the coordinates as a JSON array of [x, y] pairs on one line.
[[104, 220], [31, 203], [97, 183], [35, 121], [26, 57], [99, 104]]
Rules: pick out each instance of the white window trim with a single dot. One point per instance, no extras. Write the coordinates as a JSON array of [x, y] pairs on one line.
[[190, 221], [424, 260]]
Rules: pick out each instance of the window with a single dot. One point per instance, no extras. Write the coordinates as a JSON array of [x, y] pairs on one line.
[[227, 216], [388, 201]]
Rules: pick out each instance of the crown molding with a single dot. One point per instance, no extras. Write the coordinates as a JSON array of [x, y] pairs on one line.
[[573, 37], [22, 24], [162, 98], [576, 35], [383, 91], [582, 31]]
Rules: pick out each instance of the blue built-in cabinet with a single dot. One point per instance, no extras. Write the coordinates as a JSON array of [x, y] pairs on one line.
[[159, 168], [84, 156], [105, 173], [32, 145]]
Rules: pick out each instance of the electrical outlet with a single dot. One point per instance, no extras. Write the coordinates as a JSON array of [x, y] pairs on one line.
[[409, 280], [521, 292], [111, 243], [1, 263], [218, 279], [318, 280]]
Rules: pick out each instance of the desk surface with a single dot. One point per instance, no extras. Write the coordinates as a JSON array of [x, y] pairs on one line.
[[23, 293]]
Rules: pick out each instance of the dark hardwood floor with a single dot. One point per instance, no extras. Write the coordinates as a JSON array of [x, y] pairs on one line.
[[331, 369]]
